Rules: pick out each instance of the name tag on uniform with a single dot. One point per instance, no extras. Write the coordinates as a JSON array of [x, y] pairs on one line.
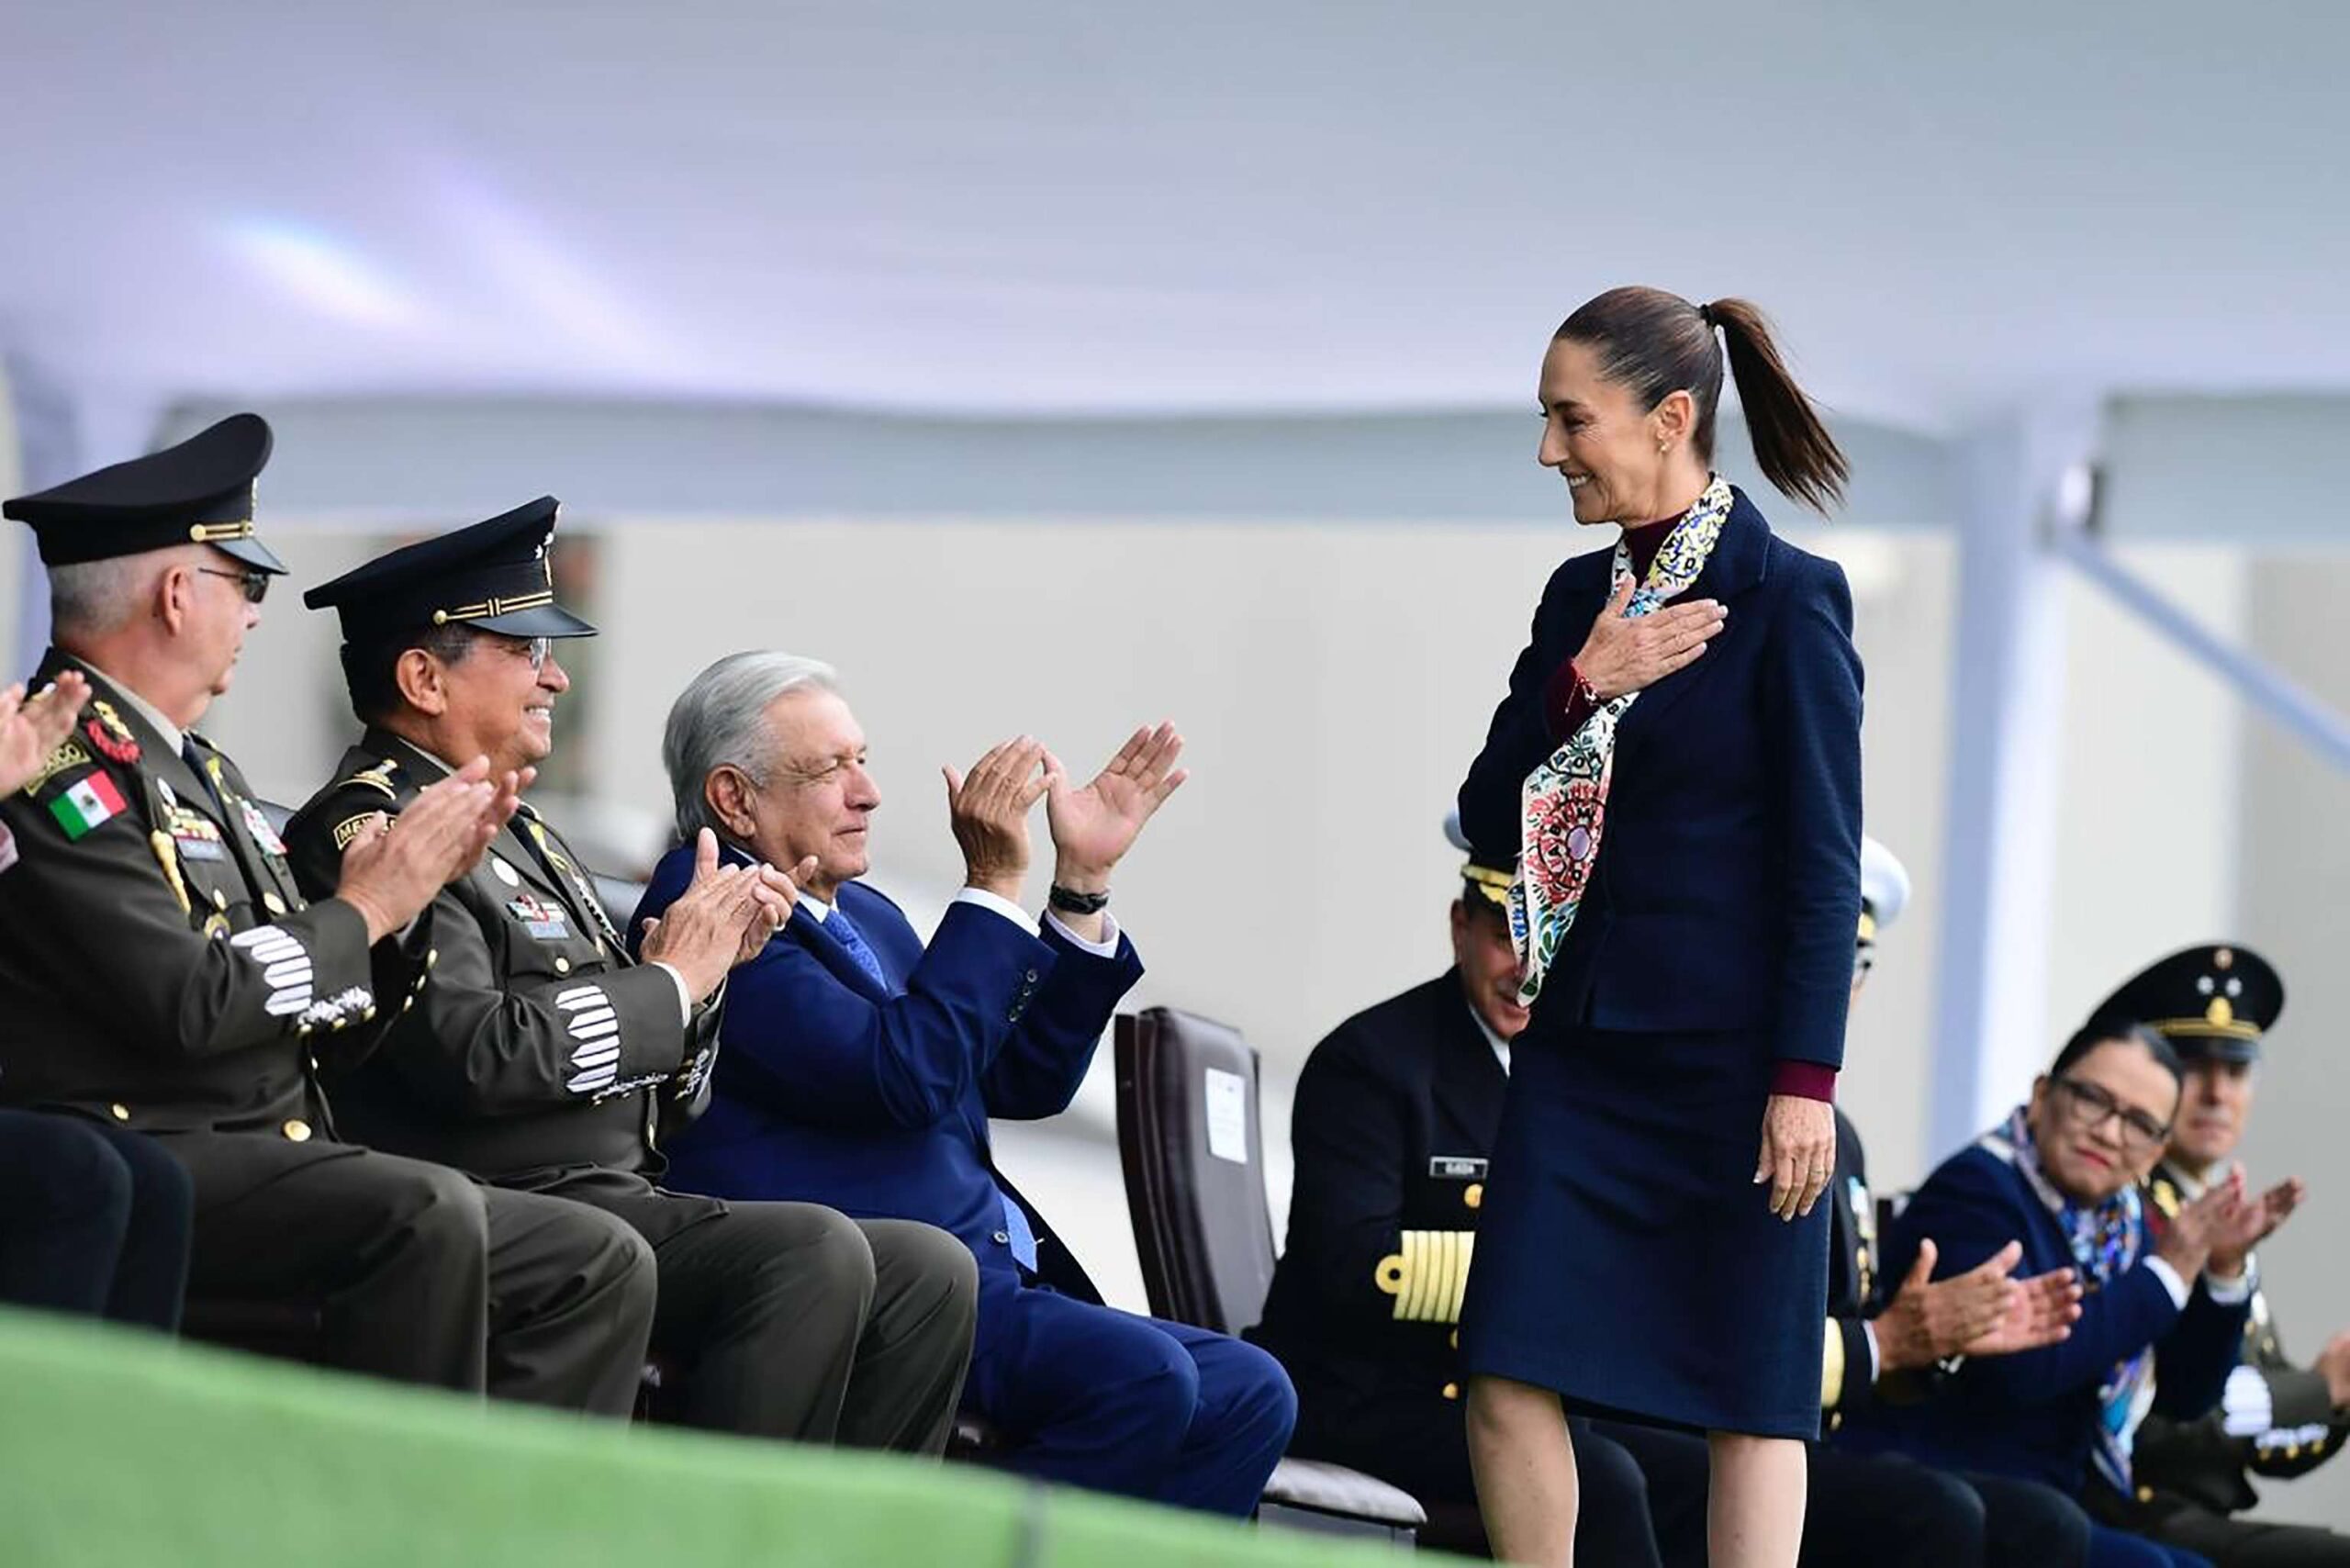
[[195, 837], [1456, 1167], [540, 918]]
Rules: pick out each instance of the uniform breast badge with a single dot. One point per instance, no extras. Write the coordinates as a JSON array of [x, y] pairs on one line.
[[540, 918]]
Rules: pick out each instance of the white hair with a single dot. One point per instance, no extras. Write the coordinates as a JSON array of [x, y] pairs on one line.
[[720, 719], [90, 598]]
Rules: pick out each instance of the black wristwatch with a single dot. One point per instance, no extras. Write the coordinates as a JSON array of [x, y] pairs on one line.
[[1070, 902]]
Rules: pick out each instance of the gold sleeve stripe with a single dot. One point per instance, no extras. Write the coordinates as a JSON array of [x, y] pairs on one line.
[[1832, 1367], [1416, 1277], [1467, 1244], [1428, 1277], [373, 782]]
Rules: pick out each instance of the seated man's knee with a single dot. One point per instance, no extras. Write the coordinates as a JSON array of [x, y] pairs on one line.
[[822, 1263], [1607, 1467], [443, 1210], [1156, 1381], [618, 1257], [1945, 1514], [1266, 1405], [924, 1267], [70, 1172]]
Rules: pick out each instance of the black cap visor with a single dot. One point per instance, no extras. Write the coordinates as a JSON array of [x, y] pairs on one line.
[[538, 621]]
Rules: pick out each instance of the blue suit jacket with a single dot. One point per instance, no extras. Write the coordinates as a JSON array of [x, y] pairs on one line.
[[2036, 1414], [1727, 886], [830, 1089]]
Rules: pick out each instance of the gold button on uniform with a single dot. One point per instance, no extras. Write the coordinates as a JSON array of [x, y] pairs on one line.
[[296, 1131], [121, 1112], [1452, 1390], [1473, 1196], [563, 966], [219, 899], [271, 902]]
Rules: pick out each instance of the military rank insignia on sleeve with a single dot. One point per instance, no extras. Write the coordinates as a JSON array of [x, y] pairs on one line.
[[88, 803], [352, 828]]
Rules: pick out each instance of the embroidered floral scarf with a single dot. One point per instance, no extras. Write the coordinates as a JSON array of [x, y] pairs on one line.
[[1563, 806], [2106, 1239]]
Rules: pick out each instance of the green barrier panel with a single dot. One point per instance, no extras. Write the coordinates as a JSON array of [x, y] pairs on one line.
[[120, 1450]]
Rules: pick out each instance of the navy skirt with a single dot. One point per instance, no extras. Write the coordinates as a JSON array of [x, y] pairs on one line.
[[1625, 1256]]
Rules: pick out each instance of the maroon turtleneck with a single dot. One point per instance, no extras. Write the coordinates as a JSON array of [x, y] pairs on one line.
[[1568, 700]]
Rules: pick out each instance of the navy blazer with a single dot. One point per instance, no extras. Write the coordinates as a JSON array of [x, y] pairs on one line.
[[2036, 1414], [831, 1090], [1727, 885]]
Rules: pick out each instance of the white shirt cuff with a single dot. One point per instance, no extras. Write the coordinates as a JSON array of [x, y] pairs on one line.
[[2248, 1408], [1002, 906], [1106, 948], [2160, 1268], [2231, 1293], [684, 997], [1868, 1332]]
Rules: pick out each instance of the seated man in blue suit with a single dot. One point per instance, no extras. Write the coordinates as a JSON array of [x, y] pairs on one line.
[[2062, 1175], [861, 1069]]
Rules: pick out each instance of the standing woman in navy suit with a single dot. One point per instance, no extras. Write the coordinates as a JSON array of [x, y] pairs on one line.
[[1678, 763]]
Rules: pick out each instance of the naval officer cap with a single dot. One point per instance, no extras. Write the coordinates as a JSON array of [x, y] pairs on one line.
[[1884, 888], [2212, 1001], [494, 575], [198, 492], [1485, 875]]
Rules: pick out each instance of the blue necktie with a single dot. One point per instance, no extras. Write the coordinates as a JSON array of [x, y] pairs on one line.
[[845, 931], [1019, 1235]]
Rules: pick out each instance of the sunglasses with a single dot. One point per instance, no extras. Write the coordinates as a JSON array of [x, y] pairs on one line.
[[254, 580]]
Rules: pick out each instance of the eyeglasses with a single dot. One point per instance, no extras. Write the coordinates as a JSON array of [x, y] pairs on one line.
[[2087, 1106], [534, 649], [254, 580]]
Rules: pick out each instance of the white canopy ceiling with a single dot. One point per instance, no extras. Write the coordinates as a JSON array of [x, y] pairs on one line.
[[992, 207]]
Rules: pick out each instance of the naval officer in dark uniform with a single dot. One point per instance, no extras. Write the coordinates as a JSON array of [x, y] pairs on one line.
[[2276, 1420], [1394, 1121], [543, 1057], [161, 970]]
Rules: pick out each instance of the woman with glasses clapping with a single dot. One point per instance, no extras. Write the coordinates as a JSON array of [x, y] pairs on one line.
[[2062, 1175]]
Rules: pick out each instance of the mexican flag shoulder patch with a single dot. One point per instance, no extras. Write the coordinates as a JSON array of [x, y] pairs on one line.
[[87, 801]]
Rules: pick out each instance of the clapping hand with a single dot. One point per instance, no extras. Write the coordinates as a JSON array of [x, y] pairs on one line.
[[32, 729], [2040, 1313], [2247, 1225], [989, 811], [393, 868], [1094, 827], [723, 918]]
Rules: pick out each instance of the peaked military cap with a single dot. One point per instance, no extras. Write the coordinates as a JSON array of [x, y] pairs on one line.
[[1884, 888], [493, 574], [1485, 876], [2212, 1001], [200, 492]]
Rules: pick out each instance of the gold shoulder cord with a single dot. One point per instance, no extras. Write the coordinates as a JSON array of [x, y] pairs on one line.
[[167, 854]]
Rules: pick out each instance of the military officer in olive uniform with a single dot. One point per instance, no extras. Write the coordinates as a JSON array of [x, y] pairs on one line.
[[542, 1057], [2276, 1420], [1397, 1111], [159, 969]]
